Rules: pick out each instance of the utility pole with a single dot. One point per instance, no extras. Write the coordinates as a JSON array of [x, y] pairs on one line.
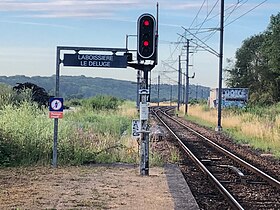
[[179, 84], [170, 95], [219, 126], [187, 77], [144, 115], [158, 89], [183, 90]]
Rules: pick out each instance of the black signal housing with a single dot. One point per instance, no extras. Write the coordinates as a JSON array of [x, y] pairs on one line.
[[146, 37]]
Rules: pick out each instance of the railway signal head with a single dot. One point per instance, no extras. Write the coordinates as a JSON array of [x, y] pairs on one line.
[[146, 42]]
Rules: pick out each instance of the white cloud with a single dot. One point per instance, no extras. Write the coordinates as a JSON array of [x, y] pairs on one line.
[[66, 8], [88, 8], [59, 5], [38, 24]]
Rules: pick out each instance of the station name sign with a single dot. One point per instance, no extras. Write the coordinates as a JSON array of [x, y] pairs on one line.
[[95, 60]]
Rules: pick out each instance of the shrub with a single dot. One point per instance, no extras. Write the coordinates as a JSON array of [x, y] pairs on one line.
[[194, 101], [102, 103], [263, 99]]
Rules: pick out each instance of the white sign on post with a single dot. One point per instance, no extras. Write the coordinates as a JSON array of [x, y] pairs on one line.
[[144, 111], [135, 128]]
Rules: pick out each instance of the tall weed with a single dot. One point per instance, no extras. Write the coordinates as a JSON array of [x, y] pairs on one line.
[[257, 126], [29, 128], [6, 95], [83, 136]]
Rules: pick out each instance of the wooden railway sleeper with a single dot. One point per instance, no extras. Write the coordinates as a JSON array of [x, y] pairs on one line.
[[237, 171]]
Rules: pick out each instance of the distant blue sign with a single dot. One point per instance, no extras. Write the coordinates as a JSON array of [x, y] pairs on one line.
[[56, 105], [93, 60]]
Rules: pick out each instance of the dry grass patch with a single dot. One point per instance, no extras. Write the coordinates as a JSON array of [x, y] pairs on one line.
[[259, 132], [128, 110]]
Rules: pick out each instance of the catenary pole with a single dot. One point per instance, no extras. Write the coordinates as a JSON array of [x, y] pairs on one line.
[[179, 84], [187, 77], [170, 95], [158, 89], [219, 126], [183, 88]]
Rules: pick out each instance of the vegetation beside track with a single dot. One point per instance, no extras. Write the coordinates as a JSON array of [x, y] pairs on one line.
[[257, 126], [97, 130]]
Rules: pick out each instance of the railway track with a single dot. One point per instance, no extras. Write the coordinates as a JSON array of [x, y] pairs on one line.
[[243, 185]]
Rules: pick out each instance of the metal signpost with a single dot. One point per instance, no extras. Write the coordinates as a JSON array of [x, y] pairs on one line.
[[147, 46], [75, 59], [56, 112]]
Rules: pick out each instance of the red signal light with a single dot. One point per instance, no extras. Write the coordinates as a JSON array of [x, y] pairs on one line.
[[146, 23], [146, 39]]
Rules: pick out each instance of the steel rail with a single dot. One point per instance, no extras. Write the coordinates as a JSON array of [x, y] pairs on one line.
[[274, 182], [232, 201]]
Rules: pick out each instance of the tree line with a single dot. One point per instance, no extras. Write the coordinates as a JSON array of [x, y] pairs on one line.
[[78, 87], [257, 65]]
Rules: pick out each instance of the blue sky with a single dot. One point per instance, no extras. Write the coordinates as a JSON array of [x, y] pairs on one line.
[[31, 30]]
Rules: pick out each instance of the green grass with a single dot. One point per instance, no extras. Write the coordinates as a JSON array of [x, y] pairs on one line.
[[86, 135], [156, 159], [175, 155], [29, 129]]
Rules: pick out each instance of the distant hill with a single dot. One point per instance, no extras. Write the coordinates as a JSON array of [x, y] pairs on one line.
[[84, 87]]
